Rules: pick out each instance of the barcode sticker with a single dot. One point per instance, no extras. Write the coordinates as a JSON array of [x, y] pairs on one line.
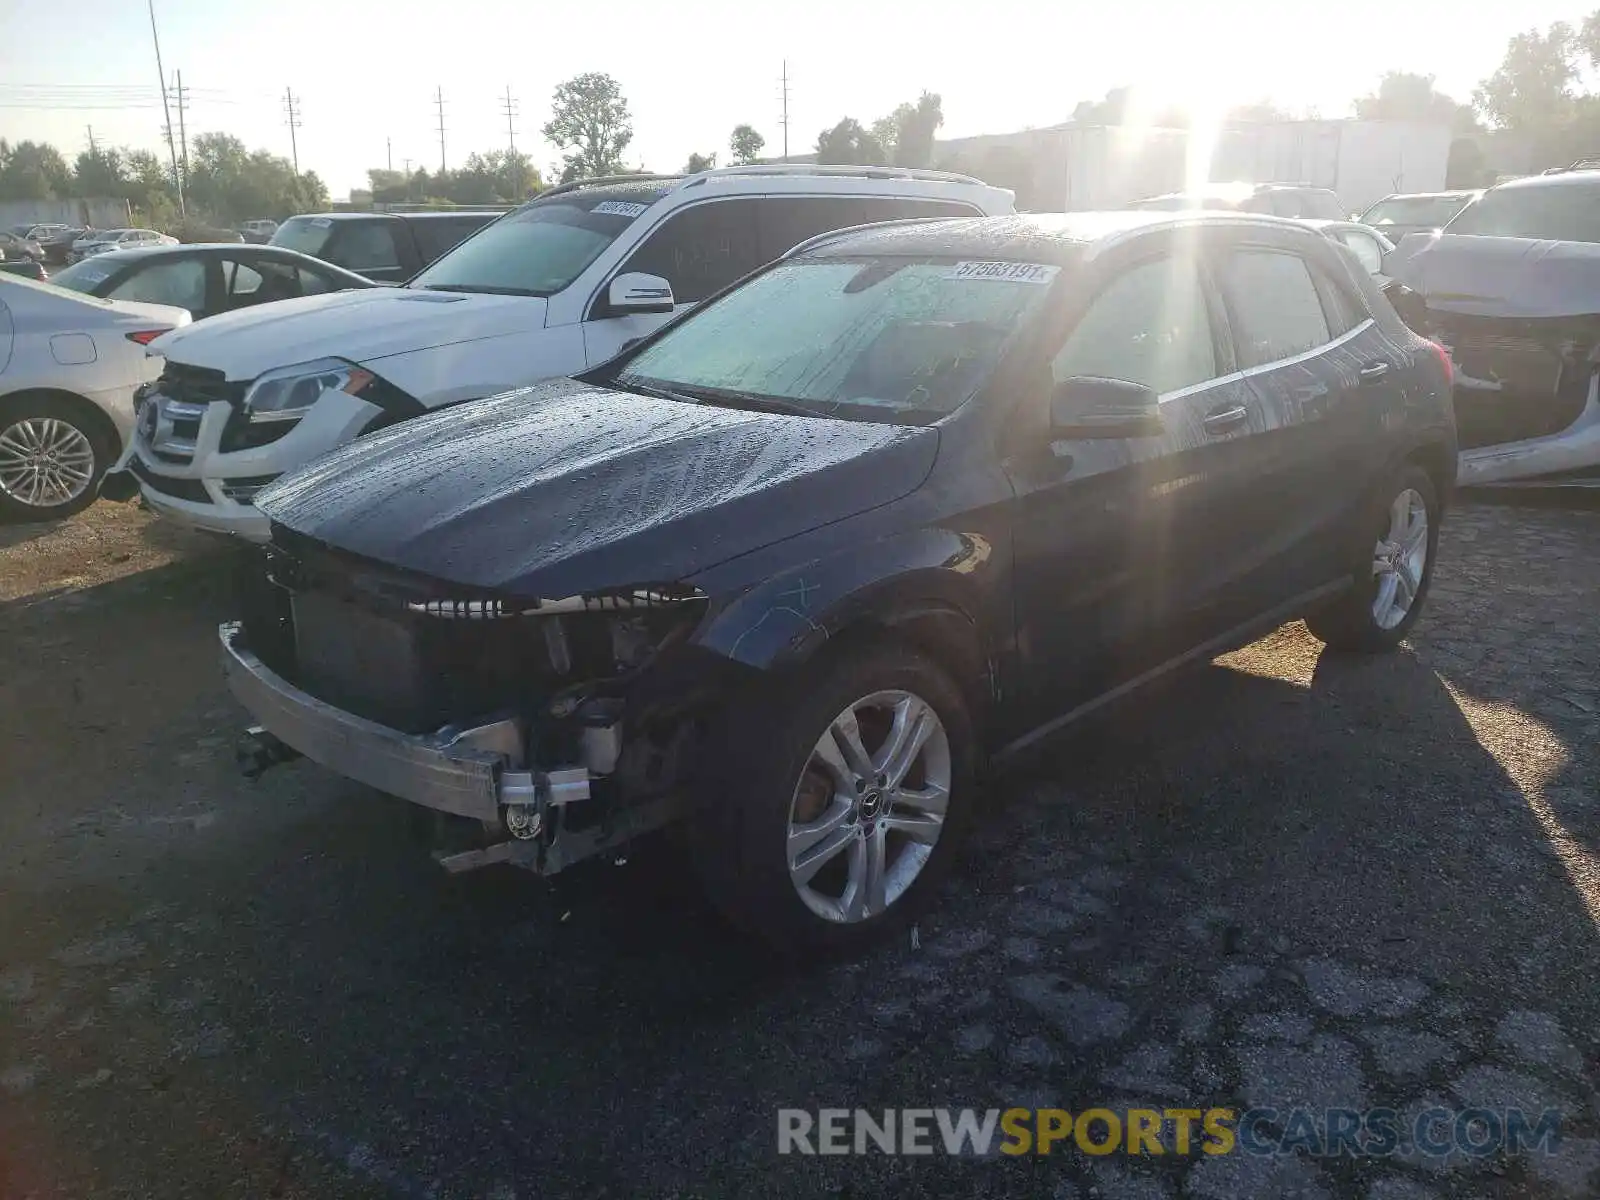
[[619, 208], [1005, 272]]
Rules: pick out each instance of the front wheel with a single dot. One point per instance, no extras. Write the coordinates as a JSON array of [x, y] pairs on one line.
[[1394, 571], [845, 796], [50, 463]]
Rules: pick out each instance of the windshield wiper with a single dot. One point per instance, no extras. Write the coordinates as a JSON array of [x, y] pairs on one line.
[[751, 401], [486, 289]]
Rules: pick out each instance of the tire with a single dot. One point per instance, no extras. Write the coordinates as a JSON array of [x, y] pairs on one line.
[[51, 459], [768, 773], [1388, 535]]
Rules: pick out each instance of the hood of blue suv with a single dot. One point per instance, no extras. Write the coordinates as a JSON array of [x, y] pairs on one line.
[[567, 488]]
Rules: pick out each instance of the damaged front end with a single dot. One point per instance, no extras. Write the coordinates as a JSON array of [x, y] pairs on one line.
[[545, 731]]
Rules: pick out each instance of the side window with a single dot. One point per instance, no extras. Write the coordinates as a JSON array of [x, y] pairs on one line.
[[435, 235], [786, 221], [313, 283], [1274, 303], [366, 246], [1366, 249], [1149, 325], [240, 281], [179, 281], [261, 281], [701, 249]]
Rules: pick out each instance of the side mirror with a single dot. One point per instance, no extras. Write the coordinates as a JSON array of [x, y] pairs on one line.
[[634, 292], [1086, 406]]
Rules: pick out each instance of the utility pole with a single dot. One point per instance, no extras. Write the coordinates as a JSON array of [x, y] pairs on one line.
[[510, 109], [161, 73], [93, 153], [183, 138], [784, 120], [439, 100], [388, 144], [291, 117]]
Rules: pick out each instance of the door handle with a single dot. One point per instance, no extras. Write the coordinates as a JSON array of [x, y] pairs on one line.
[[1373, 372], [1220, 420]]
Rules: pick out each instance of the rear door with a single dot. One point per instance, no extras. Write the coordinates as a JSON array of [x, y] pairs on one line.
[[1325, 379]]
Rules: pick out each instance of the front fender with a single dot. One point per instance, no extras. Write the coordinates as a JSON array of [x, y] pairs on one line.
[[786, 618]]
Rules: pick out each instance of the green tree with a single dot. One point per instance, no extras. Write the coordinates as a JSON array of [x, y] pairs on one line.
[[1531, 90], [1406, 96], [99, 173], [745, 145], [699, 162], [848, 142], [33, 171], [915, 126], [590, 121]]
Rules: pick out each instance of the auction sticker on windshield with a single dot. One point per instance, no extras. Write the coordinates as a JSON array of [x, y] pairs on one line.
[[619, 208], [1006, 272]]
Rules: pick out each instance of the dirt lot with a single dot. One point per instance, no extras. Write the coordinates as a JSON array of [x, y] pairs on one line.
[[1286, 880]]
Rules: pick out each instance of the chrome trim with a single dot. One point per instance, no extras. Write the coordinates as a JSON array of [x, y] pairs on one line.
[[1276, 363], [422, 769]]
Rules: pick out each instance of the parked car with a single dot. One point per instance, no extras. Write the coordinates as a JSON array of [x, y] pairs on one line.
[[1367, 244], [1419, 212], [1277, 199], [27, 268], [57, 244], [791, 569], [15, 246], [116, 239], [1511, 287], [207, 280], [386, 247], [560, 285], [69, 366], [258, 232]]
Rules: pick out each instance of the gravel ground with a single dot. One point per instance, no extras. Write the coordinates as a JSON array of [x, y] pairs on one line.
[[1287, 878]]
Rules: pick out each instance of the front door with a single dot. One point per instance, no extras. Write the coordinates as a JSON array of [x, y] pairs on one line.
[[699, 250], [1122, 549]]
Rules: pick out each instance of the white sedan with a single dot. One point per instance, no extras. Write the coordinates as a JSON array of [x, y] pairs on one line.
[[69, 367], [1367, 244], [102, 240]]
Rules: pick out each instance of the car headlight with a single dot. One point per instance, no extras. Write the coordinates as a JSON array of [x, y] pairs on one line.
[[286, 393]]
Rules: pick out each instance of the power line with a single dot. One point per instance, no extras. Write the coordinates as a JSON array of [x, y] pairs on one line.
[[784, 119], [183, 138], [291, 117], [439, 100], [509, 107], [161, 74]]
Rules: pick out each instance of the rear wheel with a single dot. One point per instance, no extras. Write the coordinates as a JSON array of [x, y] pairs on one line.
[[50, 460], [1396, 554], [848, 793]]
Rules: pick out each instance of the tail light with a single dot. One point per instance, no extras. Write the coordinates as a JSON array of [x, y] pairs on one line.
[[145, 336], [1444, 361]]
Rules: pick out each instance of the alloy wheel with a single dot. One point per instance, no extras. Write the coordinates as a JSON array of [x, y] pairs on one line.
[[1400, 559], [45, 462], [869, 806]]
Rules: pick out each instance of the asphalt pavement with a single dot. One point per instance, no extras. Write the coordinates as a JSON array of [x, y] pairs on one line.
[[1287, 879]]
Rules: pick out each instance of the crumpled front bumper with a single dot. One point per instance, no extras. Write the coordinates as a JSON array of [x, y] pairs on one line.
[[429, 770]]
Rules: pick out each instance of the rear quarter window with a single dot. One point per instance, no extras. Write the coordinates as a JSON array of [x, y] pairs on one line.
[[1275, 309]]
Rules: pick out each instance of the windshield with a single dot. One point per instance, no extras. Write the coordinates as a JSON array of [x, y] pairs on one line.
[[83, 276], [305, 234], [1561, 212], [540, 249], [876, 339], [1430, 212]]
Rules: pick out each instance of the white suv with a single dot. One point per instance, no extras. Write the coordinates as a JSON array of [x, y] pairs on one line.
[[557, 286]]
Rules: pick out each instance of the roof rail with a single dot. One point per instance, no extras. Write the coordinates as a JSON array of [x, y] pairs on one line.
[[822, 239], [848, 170], [603, 180], [1583, 164]]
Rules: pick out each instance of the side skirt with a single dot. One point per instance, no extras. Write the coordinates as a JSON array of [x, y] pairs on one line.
[[1240, 635]]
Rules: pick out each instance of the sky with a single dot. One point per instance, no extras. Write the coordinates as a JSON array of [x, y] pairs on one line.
[[364, 73]]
